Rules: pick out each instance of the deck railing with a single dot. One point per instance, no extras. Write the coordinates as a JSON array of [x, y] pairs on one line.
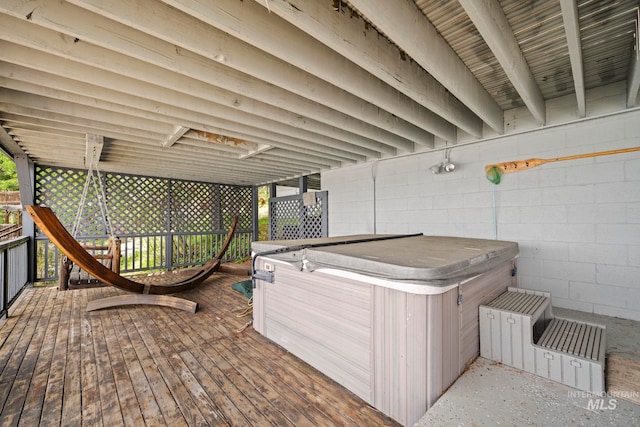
[[14, 259], [145, 252], [10, 232]]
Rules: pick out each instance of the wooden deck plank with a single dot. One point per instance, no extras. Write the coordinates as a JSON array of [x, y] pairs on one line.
[[21, 329], [144, 365], [22, 369], [171, 343], [148, 405], [90, 404], [34, 401], [206, 406], [336, 402], [244, 404], [272, 414], [111, 413], [53, 396], [72, 404], [230, 411], [158, 341], [281, 399], [128, 402], [165, 401], [15, 314]]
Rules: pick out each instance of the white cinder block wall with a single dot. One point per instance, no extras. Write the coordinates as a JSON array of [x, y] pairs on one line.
[[577, 222]]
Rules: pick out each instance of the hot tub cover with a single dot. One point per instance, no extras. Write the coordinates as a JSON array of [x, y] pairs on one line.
[[434, 260]]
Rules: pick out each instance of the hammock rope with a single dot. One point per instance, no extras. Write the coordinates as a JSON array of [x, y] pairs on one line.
[[93, 178]]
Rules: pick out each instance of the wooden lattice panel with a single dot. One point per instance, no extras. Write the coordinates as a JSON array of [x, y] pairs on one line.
[[144, 205], [137, 204], [61, 190], [290, 218], [163, 223], [194, 206], [233, 202]]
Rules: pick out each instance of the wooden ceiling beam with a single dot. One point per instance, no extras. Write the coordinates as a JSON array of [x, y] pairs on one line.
[[572, 31], [112, 46], [141, 107], [267, 37], [175, 135], [116, 131], [350, 36], [407, 26], [135, 89], [493, 26]]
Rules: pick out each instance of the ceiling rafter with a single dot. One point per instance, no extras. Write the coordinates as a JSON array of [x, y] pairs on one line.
[[572, 32], [491, 22], [177, 133], [168, 74], [276, 37], [343, 32], [230, 70], [407, 27], [183, 108]]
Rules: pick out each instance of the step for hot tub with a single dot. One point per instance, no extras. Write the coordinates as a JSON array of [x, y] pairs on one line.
[[518, 329], [511, 323], [573, 353]]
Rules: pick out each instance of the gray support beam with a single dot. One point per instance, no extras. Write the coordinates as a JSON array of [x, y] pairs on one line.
[[273, 192], [25, 170], [303, 184], [633, 80], [491, 22], [26, 182], [254, 213], [407, 26], [572, 31]]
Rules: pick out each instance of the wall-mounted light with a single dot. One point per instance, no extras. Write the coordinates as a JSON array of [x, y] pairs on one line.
[[448, 166], [444, 166]]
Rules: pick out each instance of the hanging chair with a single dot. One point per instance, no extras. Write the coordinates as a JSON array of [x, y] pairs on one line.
[[154, 294]]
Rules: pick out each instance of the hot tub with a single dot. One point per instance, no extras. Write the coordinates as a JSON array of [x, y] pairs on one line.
[[392, 318]]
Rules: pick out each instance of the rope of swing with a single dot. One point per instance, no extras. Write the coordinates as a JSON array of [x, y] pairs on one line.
[[93, 178]]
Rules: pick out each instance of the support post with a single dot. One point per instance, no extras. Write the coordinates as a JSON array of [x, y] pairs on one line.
[[254, 213], [26, 183]]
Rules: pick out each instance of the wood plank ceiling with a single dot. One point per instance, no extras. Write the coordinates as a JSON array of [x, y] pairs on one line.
[[251, 92]]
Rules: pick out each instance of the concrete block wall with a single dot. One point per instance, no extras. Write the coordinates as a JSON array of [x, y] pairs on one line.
[[577, 222]]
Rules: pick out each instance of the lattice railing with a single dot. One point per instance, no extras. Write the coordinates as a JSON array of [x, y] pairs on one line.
[[290, 218], [163, 223]]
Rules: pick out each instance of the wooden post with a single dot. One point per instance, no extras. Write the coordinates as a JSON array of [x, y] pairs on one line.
[[63, 273], [115, 262]]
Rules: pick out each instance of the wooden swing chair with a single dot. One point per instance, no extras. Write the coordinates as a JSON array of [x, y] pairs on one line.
[[140, 293]]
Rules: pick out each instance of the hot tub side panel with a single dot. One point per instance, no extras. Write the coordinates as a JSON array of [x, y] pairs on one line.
[[415, 350], [321, 319]]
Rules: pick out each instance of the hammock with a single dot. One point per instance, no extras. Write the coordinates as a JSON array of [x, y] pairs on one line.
[[152, 294]]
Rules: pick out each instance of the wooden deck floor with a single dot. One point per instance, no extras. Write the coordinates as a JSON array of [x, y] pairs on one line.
[[60, 365]]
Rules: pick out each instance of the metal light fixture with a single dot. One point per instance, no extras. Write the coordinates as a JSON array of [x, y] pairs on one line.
[[444, 166], [448, 166]]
